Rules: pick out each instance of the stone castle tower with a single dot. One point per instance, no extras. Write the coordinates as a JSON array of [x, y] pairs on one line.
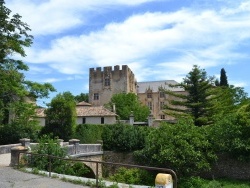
[[107, 82]]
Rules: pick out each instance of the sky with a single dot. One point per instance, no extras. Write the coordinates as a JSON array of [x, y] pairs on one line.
[[157, 39]]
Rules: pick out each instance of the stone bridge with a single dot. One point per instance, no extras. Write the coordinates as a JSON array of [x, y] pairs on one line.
[[75, 150]]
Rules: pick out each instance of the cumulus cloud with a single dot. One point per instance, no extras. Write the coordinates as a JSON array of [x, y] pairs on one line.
[[165, 45], [56, 16]]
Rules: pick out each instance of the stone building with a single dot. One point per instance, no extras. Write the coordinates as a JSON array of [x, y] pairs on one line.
[[152, 95], [107, 82]]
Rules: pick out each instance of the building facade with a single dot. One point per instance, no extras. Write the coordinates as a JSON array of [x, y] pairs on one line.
[[107, 82], [103, 84]]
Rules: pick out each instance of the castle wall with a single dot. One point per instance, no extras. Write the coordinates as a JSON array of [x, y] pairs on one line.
[[103, 84]]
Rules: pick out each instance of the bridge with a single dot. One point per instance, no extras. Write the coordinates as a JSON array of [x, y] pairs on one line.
[[9, 154]]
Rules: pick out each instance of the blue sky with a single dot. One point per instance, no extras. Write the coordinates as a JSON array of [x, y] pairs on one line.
[[157, 39]]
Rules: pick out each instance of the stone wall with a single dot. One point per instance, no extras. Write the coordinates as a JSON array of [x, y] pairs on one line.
[[225, 167]]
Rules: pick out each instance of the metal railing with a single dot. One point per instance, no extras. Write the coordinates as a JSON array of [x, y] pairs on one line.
[[169, 171]]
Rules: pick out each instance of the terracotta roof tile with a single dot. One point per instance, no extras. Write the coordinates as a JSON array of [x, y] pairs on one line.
[[93, 111]]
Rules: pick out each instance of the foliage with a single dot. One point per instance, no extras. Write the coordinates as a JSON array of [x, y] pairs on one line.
[[87, 133], [14, 38], [230, 134], [194, 182], [13, 132], [120, 137], [127, 103], [182, 147], [61, 116], [223, 78], [82, 97], [196, 102], [48, 146], [133, 176]]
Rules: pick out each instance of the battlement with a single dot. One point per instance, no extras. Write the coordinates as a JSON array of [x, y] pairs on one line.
[[109, 68]]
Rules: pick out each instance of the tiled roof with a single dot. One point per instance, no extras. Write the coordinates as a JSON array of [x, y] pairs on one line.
[[93, 111], [83, 103], [83, 111], [155, 85]]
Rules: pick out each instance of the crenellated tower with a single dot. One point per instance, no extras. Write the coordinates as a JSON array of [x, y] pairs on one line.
[[103, 83]]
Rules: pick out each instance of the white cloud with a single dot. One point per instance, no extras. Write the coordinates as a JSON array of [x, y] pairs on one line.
[[56, 16], [205, 38]]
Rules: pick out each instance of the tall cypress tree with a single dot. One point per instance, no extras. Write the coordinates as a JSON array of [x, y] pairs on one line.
[[223, 78]]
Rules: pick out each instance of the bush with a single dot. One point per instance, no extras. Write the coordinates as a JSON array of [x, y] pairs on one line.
[[133, 176], [88, 134], [182, 147], [121, 137], [230, 134], [48, 146], [12, 133]]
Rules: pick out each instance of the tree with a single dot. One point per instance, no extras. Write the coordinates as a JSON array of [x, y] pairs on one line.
[[223, 78], [14, 38], [184, 148], [61, 116], [197, 101], [82, 97], [127, 103]]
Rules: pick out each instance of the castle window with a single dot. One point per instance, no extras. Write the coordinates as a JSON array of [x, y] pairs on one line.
[[162, 116], [162, 105], [107, 82], [149, 95], [162, 94], [96, 96], [150, 105]]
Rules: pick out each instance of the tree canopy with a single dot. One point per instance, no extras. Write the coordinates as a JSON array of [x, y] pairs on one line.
[[195, 102], [127, 103], [61, 116], [14, 38]]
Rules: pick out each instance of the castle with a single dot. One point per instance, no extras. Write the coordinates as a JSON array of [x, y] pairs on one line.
[[107, 82]]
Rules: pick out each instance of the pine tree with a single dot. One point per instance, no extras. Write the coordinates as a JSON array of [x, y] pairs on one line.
[[196, 102]]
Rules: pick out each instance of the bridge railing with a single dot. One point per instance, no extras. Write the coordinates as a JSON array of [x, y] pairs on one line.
[[98, 163]]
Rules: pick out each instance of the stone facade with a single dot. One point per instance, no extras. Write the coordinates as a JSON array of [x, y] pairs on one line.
[[103, 84]]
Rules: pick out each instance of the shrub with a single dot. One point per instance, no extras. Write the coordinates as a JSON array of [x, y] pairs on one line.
[[230, 134], [50, 146], [133, 176], [88, 134], [183, 147], [121, 137], [12, 133]]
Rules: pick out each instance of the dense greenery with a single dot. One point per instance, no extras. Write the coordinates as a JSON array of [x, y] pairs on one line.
[[127, 104], [48, 146], [82, 97], [196, 101], [133, 176], [61, 116], [121, 137], [16, 93], [88, 134], [182, 147]]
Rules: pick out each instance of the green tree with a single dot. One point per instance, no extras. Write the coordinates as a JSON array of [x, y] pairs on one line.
[[61, 116], [127, 103], [196, 101], [82, 97], [14, 38], [184, 148], [223, 78]]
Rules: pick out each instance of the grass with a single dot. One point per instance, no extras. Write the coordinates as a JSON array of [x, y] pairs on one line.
[[196, 182]]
